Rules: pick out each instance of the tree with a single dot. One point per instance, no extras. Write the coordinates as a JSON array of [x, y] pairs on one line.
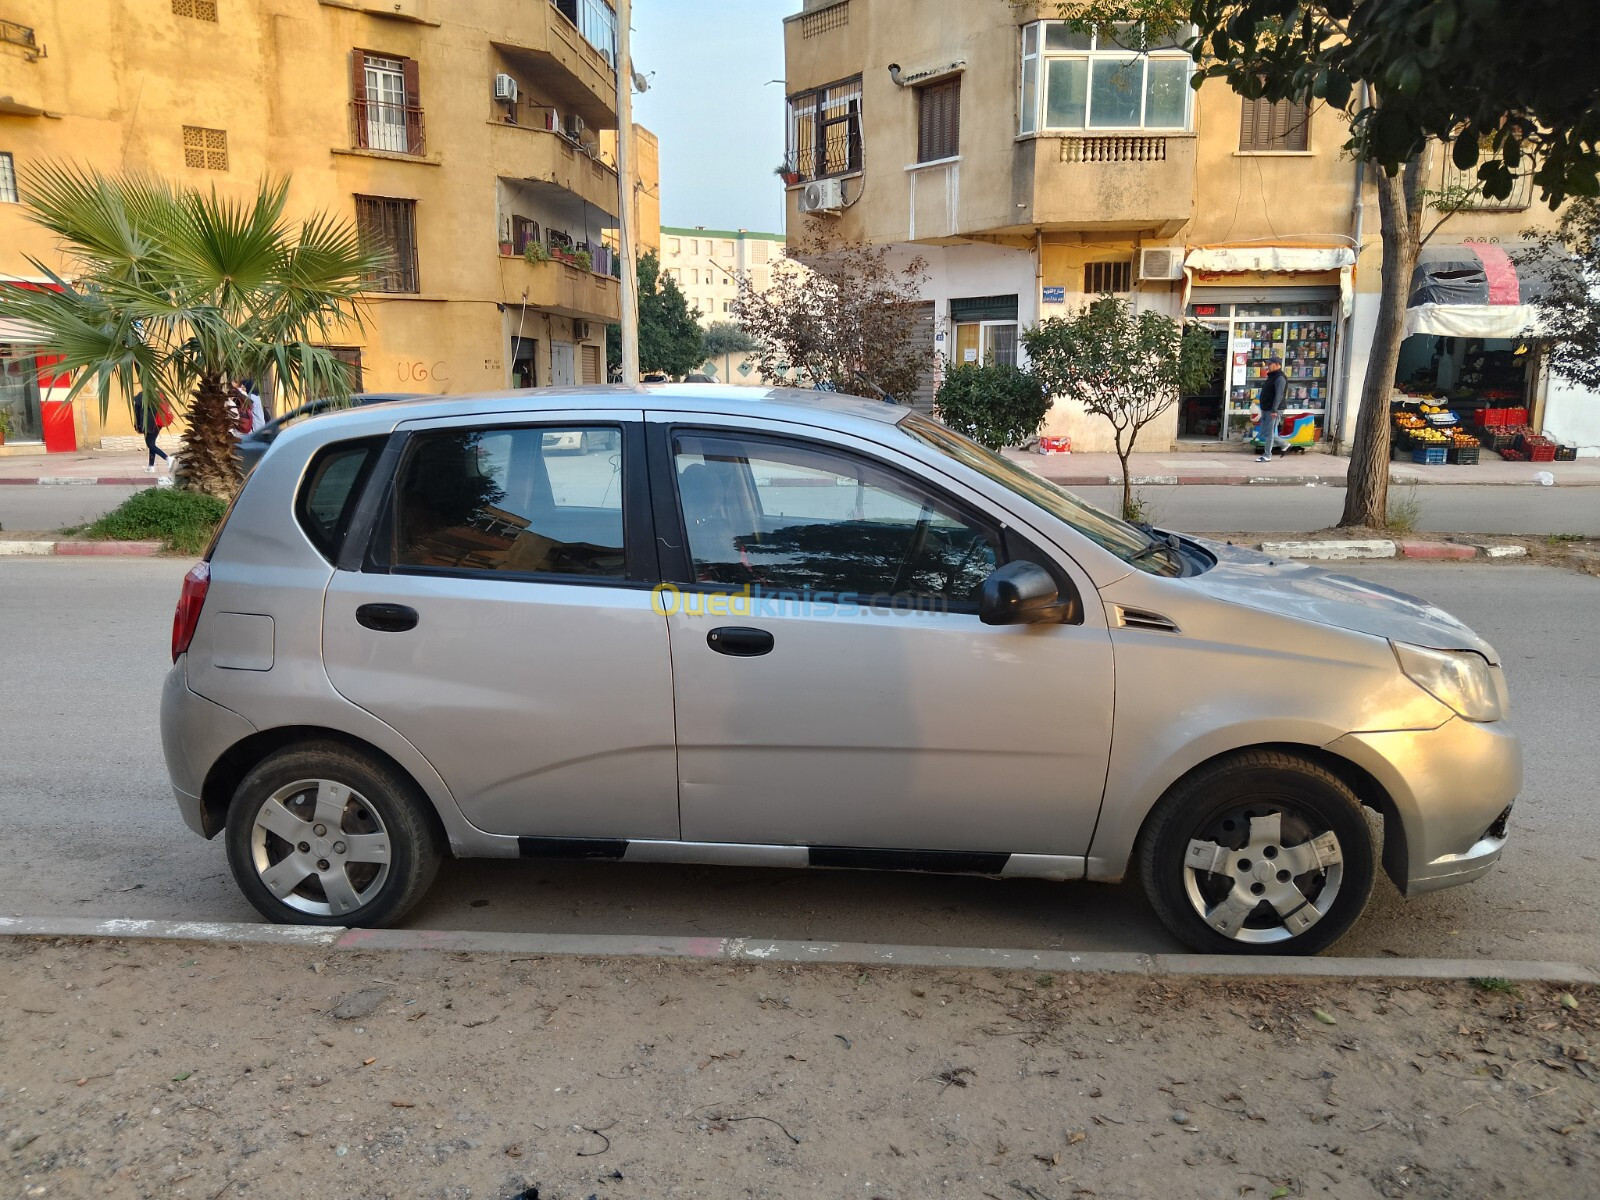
[[1517, 79], [994, 404], [1569, 309], [670, 338], [179, 293], [724, 339], [851, 321], [1125, 366]]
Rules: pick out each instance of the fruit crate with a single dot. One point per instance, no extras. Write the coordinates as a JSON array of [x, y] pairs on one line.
[[1466, 456], [1566, 454], [1541, 454], [1511, 455], [1428, 455], [1496, 439]]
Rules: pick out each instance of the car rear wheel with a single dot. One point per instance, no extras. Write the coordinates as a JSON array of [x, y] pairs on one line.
[[1260, 853], [321, 835]]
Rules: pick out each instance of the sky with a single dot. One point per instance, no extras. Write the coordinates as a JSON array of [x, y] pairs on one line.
[[719, 119]]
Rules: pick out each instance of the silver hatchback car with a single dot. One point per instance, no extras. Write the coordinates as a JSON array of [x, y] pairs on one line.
[[777, 627]]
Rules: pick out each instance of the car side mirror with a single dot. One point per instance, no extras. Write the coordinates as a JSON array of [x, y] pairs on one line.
[[1019, 593]]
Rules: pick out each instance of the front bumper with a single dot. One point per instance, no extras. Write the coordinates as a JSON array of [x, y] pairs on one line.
[[195, 733], [1452, 788]]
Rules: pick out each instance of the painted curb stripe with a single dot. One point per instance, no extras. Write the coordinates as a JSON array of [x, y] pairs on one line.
[[766, 950]]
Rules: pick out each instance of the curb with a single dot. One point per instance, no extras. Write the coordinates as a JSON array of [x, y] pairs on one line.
[[764, 950], [1340, 549], [1420, 549], [17, 549], [85, 481]]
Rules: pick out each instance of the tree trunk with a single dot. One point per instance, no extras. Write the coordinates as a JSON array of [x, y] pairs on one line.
[[1366, 497], [209, 460]]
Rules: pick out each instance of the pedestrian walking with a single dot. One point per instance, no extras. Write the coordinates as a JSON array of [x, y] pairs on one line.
[[1273, 392], [150, 417]]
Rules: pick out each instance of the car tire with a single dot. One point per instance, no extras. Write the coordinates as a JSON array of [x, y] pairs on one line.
[[1262, 852], [320, 834]]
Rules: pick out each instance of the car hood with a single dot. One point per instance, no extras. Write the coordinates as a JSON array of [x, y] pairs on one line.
[[1294, 589]]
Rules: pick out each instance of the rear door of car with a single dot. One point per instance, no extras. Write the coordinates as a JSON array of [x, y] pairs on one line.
[[499, 617]]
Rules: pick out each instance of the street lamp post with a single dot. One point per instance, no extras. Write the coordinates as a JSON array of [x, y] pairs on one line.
[[630, 270]]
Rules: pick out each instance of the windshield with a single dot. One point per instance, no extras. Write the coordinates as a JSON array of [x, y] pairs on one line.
[[1131, 543]]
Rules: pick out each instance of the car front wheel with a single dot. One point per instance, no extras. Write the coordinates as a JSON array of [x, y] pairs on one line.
[[321, 835], [1259, 853]]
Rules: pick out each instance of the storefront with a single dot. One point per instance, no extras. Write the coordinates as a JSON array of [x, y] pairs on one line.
[[34, 408], [1261, 302], [1467, 378]]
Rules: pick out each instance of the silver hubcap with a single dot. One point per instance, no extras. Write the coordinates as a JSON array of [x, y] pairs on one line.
[[1261, 890], [320, 848]]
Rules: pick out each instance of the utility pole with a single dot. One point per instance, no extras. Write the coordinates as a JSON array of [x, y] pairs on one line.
[[630, 269]]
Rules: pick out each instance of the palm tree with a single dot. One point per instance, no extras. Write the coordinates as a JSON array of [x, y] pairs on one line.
[[180, 293]]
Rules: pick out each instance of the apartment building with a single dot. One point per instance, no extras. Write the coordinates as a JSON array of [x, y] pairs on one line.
[[456, 133], [1034, 167], [708, 266]]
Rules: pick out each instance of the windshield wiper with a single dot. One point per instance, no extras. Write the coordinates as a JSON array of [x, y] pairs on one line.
[[1158, 541]]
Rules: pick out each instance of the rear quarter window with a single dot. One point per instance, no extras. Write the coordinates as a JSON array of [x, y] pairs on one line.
[[332, 485]]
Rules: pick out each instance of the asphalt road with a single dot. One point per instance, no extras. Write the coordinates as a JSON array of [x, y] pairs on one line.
[[1194, 508], [91, 830]]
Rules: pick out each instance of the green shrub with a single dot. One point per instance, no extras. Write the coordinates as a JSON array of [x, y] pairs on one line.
[[993, 404], [184, 521]]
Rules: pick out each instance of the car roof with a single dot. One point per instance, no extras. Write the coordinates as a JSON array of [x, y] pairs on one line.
[[800, 404]]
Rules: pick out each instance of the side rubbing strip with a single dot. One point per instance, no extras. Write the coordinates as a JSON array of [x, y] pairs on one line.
[[562, 847], [950, 861]]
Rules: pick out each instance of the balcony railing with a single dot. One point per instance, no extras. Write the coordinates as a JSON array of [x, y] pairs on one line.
[[839, 153], [1462, 190], [396, 128], [18, 35]]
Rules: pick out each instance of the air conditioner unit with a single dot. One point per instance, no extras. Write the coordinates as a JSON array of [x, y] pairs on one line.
[[1164, 263], [575, 126], [580, 331], [505, 88], [822, 196]]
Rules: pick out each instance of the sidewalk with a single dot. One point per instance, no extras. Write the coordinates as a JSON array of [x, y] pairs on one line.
[[220, 1070], [1219, 467], [1072, 470]]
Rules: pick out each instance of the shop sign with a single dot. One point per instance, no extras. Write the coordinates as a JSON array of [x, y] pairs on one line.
[[1055, 295]]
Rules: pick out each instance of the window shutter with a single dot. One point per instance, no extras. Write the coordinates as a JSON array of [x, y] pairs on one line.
[[358, 95], [1297, 126], [939, 120], [1248, 124], [414, 143]]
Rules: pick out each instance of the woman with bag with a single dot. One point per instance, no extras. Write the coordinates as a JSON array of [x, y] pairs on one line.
[[150, 417]]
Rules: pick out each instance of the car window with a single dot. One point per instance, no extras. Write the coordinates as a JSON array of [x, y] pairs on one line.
[[794, 517], [1128, 542], [327, 497], [534, 500]]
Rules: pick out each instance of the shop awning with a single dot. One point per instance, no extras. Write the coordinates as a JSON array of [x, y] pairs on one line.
[[19, 333], [1273, 260], [1468, 290]]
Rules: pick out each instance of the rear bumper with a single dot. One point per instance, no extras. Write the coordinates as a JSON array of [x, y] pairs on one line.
[[194, 734], [1452, 787]]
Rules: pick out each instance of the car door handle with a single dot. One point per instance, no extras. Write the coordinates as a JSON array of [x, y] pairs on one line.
[[387, 618], [739, 641]]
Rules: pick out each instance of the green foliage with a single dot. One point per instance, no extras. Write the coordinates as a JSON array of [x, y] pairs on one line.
[[184, 521], [1128, 367], [1405, 511], [670, 339], [178, 292], [6, 424], [1568, 260], [536, 252], [1494, 983], [725, 337], [993, 404]]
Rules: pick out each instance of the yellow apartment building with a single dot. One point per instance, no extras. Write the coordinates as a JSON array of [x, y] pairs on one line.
[[454, 132], [1033, 167]]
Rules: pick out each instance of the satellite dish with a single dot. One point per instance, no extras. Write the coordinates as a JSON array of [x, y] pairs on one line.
[[641, 82]]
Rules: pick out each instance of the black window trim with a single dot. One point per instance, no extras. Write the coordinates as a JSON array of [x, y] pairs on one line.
[[677, 568], [367, 543]]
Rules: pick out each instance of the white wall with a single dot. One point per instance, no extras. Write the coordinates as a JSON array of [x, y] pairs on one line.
[[1572, 416]]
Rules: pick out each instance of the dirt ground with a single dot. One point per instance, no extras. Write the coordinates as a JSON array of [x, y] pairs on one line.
[[146, 1069]]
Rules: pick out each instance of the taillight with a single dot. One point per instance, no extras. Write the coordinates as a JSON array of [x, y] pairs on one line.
[[193, 598]]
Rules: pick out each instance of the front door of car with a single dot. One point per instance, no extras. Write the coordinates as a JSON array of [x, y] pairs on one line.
[[834, 685], [502, 622]]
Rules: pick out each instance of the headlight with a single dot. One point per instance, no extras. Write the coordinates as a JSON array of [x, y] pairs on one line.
[[1460, 678]]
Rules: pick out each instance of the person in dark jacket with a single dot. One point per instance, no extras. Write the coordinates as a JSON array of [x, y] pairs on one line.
[[1273, 392], [150, 417]]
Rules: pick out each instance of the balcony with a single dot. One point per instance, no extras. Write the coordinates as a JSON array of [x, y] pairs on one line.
[[392, 128], [1141, 181], [561, 288], [577, 76], [544, 157]]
